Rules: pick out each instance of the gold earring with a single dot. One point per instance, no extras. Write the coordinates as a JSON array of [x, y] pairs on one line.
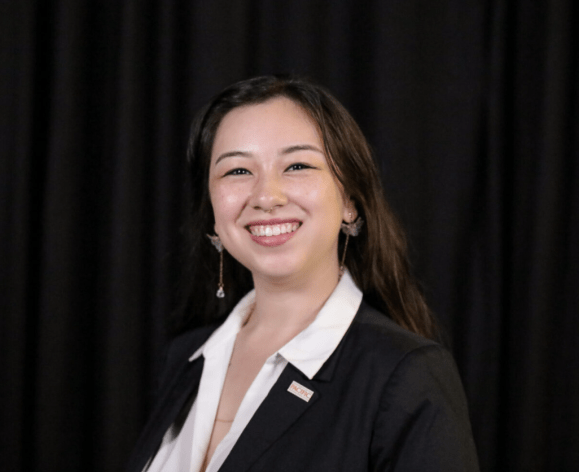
[[219, 246], [349, 229]]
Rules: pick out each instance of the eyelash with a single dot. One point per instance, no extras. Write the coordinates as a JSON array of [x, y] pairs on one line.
[[300, 164], [241, 171], [237, 171]]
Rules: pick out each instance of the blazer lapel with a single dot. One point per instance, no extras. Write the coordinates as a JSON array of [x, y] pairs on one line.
[[275, 415], [185, 384]]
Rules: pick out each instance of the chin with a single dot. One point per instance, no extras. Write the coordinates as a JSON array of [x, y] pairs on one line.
[[275, 274], [277, 269]]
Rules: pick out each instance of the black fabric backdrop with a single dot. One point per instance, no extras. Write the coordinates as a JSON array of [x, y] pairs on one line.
[[471, 107]]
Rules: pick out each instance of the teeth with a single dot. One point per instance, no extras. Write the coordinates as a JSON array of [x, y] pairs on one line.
[[274, 230]]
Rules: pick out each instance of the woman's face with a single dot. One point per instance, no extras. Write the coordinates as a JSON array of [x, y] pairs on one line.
[[277, 205]]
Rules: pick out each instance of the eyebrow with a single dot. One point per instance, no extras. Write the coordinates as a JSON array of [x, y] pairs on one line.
[[232, 154], [284, 151], [301, 147]]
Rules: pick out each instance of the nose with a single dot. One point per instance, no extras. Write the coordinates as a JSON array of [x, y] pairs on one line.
[[268, 193]]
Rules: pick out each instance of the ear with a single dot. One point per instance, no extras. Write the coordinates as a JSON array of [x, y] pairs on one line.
[[350, 213]]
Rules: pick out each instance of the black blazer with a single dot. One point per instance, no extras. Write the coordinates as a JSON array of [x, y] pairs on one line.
[[385, 400]]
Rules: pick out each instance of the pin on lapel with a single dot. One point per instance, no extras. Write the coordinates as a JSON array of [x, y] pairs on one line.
[[300, 391]]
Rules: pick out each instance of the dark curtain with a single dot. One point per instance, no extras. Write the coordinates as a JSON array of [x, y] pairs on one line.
[[470, 105]]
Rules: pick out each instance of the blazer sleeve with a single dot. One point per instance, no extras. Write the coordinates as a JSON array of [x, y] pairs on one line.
[[422, 422]]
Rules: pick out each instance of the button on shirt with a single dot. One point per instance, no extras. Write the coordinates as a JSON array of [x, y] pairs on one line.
[[185, 450]]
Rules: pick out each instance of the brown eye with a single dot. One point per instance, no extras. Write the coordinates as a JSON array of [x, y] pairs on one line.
[[238, 171], [299, 166]]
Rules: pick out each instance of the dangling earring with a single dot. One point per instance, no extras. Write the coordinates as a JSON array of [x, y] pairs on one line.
[[349, 229], [219, 246]]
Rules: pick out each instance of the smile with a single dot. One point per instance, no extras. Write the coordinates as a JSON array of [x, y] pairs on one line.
[[273, 230]]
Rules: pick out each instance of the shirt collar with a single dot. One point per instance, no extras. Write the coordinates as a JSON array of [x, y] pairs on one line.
[[229, 328], [311, 348]]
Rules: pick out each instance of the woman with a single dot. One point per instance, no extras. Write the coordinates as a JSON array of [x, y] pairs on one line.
[[327, 363]]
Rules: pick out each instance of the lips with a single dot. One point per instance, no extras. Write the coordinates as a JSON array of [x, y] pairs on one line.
[[273, 232]]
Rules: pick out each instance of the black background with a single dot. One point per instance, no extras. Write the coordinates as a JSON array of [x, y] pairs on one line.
[[471, 107]]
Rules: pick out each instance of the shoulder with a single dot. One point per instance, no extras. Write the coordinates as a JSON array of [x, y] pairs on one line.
[[181, 348], [407, 366], [182, 345], [185, 344], [370, 322], [420, 403], [374, 334]]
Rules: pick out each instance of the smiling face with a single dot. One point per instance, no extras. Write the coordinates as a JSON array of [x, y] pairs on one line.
[[277, 205]]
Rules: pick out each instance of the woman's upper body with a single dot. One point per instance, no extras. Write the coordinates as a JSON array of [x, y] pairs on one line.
[[367, 395], [279, 169]]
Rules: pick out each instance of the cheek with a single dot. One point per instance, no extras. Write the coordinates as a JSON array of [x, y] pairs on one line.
[[330, 198], [323, 198], [227, 204]]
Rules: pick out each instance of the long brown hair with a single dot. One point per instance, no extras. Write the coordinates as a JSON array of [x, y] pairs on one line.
[[377, 258]]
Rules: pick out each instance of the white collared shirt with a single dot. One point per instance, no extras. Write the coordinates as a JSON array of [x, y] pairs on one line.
[[185, 450]]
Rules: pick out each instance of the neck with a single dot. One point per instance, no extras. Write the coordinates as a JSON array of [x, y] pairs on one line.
[[286, 307]]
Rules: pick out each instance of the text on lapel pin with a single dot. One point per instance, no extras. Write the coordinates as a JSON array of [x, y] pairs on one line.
[[300, 391]]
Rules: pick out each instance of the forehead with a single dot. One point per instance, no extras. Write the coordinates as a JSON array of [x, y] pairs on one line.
[[276, 122]]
